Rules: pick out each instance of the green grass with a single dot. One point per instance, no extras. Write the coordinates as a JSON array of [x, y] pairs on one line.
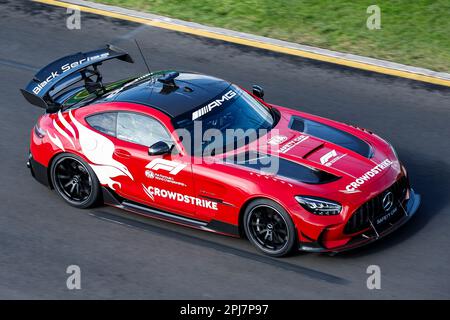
[[412, 32]]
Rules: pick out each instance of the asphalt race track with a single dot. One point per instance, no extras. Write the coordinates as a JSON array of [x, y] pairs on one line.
[[40, 235]]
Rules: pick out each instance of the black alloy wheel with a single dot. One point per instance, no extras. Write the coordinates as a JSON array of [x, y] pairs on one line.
[[74, 181], [269, 228]]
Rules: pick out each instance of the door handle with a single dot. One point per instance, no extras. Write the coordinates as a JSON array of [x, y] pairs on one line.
[[212, 196], [207, 193], [122, 153]]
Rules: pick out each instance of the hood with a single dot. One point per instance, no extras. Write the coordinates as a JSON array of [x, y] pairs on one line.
[[315, 150]]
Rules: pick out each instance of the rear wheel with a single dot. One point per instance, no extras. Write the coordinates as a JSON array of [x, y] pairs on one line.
[[269, 227], [75, 181]]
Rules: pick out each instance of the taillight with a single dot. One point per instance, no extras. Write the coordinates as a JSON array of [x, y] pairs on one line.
[[40, 133]]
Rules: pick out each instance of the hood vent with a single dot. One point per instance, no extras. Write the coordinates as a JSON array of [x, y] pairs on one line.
[[285, 168], [330, 134]]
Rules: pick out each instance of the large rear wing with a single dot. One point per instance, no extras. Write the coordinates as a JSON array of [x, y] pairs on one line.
[[64, 72]]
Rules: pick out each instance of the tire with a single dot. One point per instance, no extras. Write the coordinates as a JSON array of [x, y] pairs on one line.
[[75, 181], [269, 228]]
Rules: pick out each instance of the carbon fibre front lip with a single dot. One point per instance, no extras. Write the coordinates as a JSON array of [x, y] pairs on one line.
[[364, 239]]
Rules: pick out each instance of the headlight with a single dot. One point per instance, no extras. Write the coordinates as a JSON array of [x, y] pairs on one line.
[[319, 206]]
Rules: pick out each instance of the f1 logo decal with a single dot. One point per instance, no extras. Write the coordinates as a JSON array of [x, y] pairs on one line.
[[324, 159], [161, 164]]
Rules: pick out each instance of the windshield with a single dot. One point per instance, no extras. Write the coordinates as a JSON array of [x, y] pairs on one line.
[[234, 110]]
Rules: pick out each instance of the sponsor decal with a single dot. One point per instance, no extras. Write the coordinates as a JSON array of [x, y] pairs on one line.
[[152, 175], [324, 159], [293, 143], [276, 140], [216, 103], [331, 157], [154, 192], [149, 174], [352, 187], [65, 68], [162, 164]]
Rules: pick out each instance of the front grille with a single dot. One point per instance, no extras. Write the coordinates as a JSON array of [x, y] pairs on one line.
[[372, 209]]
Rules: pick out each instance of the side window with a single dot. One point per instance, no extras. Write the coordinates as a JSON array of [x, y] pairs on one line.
[[104, 122], [140, 129]]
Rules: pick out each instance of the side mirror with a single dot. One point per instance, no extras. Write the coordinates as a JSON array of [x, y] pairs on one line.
[[158, 148], [258, 91]]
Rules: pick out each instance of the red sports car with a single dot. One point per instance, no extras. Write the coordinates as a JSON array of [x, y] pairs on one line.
[[202, 152]]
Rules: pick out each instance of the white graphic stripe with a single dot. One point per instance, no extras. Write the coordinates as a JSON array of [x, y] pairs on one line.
[[56, 141], [63, 133], [66, 124], [105, 175], [95, 147]]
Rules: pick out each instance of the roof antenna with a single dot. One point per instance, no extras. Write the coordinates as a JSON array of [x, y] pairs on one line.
[[143, 57]]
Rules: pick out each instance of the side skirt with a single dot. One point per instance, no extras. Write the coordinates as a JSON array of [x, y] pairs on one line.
[[139, 210]]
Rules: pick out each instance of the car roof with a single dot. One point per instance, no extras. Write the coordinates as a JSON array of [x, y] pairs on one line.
[[192, 91]]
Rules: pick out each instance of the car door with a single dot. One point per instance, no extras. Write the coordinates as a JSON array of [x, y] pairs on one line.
[[161, 181]]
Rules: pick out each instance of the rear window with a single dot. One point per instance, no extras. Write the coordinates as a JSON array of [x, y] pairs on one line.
[[104, 122]]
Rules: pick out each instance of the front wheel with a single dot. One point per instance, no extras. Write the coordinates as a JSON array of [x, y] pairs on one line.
[[75, 181], [269, 227]]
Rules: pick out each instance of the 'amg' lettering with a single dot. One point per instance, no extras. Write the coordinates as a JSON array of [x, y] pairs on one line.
[[216, 103]]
